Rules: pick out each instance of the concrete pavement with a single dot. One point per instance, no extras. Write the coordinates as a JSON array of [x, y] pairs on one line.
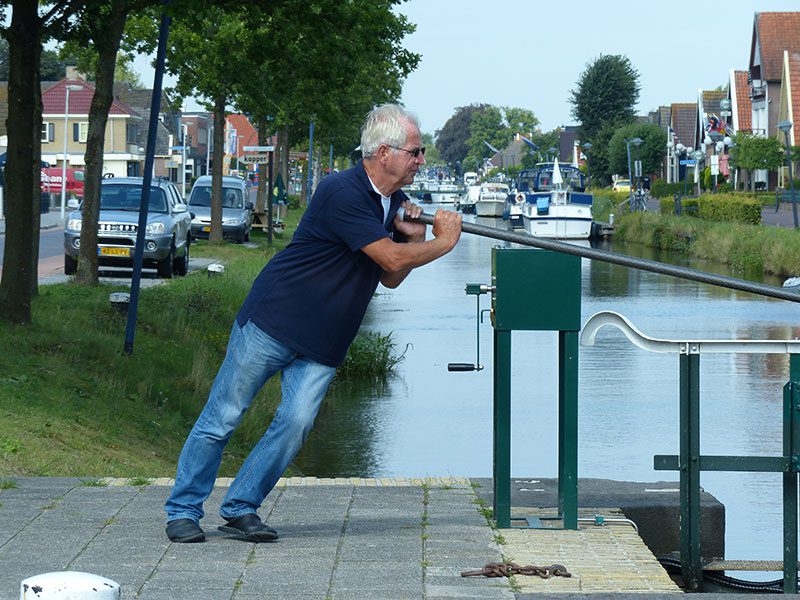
[[347, 538]]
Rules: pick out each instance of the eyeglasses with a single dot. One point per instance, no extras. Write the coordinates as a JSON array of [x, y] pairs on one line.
[[415, 152]]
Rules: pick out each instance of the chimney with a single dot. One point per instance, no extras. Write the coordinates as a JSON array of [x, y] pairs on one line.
[[73, 73]]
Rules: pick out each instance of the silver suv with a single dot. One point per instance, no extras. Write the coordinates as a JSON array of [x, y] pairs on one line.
[[166, 245], [237, 210]]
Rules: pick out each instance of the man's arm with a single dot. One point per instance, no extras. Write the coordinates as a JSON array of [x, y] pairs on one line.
[[397, 260]]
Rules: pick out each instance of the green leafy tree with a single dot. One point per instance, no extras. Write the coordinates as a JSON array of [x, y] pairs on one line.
[[751, 152], [650, 152], [485, 126], [604, 100], [451, 139], [432, 155]]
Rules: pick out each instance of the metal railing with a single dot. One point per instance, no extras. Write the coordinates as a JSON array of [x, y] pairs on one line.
[[689, 462]]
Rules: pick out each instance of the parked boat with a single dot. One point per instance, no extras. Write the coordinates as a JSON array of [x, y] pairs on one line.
[[466, 203], [447, 193], [554, 202], [793, 283], [491, 200]]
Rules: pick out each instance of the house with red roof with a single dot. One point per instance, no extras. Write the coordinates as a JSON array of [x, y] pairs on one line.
[[65, 126], [776, 40]]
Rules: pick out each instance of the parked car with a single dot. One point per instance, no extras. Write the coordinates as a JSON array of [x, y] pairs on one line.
[[167, 237], [621, 185], [237, 210]]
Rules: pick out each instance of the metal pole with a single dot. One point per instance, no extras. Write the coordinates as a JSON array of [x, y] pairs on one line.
[[269, 198], [155, 107], [791, 445], [630, 179], [526, 239], [501, 467], [184, 129], [209, 131], [64, 162], [330, 171], [310, 160], [791, 179]]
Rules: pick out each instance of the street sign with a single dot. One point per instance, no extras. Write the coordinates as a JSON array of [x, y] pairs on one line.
[[637, 168], [176, 147], [688, 163], [254, 159], [258, 148]]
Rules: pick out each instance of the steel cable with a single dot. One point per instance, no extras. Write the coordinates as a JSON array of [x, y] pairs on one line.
[[645, 264]]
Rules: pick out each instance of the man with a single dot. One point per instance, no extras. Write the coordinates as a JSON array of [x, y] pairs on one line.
[[301, 315]]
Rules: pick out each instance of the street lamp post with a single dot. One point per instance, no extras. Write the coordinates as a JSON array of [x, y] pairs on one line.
[[69, 88], [184, 133], [636, 142], [715, 138], [785, 127], [586, 147], [698, 156]]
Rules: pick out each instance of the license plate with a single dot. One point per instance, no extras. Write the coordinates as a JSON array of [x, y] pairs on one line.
[[114, 251], [206, 229]]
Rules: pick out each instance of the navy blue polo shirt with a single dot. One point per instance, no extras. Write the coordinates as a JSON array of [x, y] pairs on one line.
[[312, 296]]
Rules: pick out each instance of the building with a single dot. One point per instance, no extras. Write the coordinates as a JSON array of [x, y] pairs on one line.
[[65, 125]]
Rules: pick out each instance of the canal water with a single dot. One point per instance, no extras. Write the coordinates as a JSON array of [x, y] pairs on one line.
[[425, 421]]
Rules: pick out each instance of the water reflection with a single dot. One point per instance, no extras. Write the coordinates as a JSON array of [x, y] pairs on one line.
[[426, 421]]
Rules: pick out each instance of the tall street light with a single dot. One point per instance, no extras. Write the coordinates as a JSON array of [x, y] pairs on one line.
[[785, 127], [73, 88], [715, 138], [636, 142], [586, 147]]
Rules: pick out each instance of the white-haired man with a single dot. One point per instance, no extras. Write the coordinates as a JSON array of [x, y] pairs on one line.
[[299, 318]]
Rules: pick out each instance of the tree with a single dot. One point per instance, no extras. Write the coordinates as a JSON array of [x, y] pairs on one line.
[[451, 139], [52, 68], [650, 152], [607, 92], [25, 34], [604, 100], [752, 152]]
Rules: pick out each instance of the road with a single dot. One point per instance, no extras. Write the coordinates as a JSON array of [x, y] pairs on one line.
[[51, 251]]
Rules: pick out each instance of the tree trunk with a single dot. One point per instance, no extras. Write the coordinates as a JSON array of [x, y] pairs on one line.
[[37, 178], [216, 171], [25, 50], [107, 40]]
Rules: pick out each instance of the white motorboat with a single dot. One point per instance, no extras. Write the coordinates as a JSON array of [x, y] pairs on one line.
[[466, 203], [447, 193], [491, 200], [554, 202]]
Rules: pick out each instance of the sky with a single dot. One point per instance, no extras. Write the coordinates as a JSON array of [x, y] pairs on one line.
[[530, 54]]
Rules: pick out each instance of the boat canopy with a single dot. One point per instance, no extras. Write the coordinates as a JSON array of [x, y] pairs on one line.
[[540, 178]]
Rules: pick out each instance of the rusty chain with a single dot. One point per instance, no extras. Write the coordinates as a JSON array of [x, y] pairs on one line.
[[507, 569]]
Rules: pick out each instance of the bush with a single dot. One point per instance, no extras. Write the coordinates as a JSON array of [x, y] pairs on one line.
[[662, 189], [729, 208]]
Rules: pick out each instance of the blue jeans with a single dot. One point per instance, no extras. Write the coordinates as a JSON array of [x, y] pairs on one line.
[[252, 358]]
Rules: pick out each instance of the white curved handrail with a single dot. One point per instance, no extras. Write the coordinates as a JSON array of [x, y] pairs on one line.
[[614, 319]]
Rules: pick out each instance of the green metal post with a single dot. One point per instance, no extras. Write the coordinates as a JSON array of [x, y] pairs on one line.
[[689, 465], [791, 447], [568, 428], [502, 428]]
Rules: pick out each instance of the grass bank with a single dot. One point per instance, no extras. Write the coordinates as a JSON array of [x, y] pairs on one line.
[[747, 248], [72, 403]]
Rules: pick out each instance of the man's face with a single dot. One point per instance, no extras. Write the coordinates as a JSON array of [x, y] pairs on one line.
[[402, 165]]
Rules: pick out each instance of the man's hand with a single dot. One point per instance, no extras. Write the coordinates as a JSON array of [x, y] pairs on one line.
[[414, 231], [447, 225]]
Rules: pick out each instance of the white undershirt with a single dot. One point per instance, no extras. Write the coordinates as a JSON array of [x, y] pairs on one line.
[[386, 202]]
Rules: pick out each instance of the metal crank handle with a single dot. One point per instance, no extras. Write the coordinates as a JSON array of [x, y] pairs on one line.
[[464, 367]]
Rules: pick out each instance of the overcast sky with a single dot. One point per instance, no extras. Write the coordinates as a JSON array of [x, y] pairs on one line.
[[530, 53]]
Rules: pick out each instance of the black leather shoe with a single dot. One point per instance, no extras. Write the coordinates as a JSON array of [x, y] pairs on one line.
[[185, 531], [249, 528]]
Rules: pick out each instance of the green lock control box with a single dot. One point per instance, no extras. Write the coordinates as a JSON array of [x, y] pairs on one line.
[[536, 290]]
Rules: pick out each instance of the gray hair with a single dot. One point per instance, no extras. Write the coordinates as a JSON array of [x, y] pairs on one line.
[[386, 124]]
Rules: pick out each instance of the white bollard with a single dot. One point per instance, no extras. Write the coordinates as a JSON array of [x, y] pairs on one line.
[[68, 585], [215, 269]]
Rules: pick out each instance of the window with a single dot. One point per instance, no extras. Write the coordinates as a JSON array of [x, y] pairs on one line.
[[131, 133], [48, 132], [80, 131]]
